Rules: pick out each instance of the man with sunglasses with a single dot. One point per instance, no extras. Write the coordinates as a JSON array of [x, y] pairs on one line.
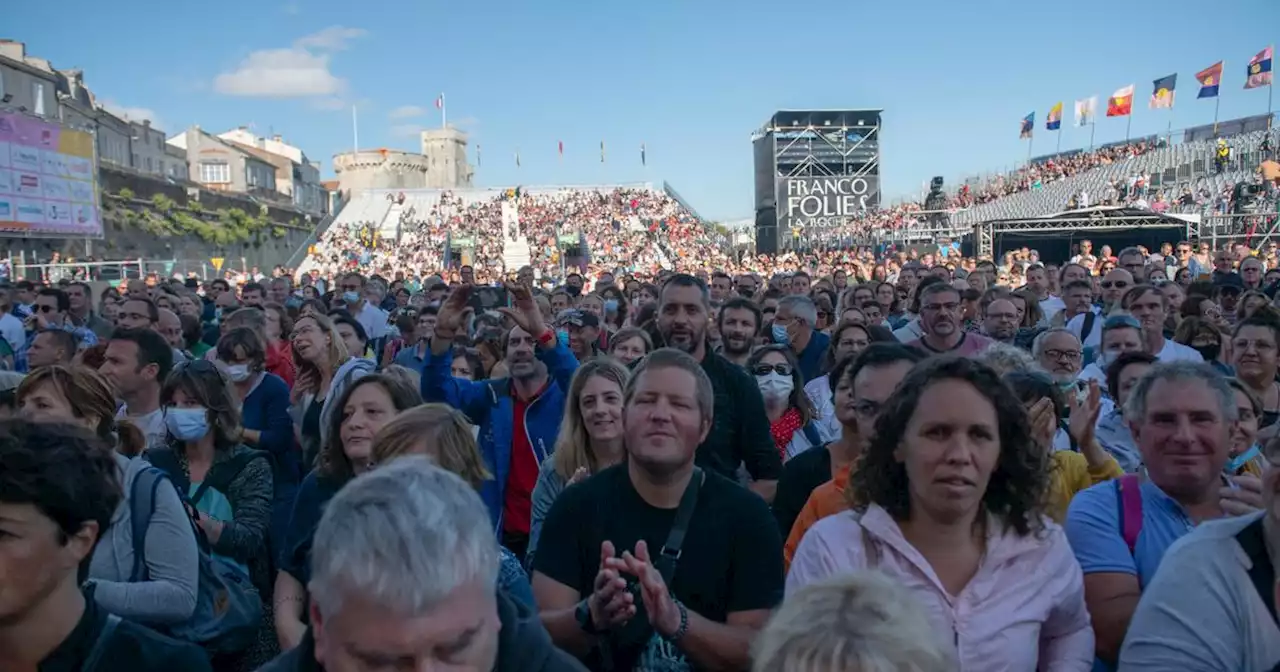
[[1086, 326], [50, 312]]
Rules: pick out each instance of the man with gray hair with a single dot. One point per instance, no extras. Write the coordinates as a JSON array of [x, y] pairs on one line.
[[1058, 351], [655, 564], [378, 602], [795, 326], [1181, 415]]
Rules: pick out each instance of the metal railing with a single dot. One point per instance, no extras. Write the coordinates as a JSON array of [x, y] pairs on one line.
[[123, 269]]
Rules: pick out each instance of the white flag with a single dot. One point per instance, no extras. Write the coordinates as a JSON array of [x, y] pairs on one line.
[[1086, 110]]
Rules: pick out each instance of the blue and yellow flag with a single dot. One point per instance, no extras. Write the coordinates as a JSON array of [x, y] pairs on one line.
[[1162, 92], [1028, 125], [1054, 121]]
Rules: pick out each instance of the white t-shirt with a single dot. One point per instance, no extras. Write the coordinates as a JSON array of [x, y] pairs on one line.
[[12, 330], [1052, 306], [374, 321], [1177, 352], [1094, 339], [151, 424]]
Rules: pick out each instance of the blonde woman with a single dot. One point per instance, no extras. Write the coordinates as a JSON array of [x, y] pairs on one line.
[[441, 433], [862, 622], [590, 436], [325, 370]]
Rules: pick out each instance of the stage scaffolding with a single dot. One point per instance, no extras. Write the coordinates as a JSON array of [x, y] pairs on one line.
[[933, 227]]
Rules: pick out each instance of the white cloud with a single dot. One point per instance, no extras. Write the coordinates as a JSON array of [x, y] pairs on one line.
[[406, 131], [333, 38], [300, 71], [138, 114], [407, 112], [280, 73]]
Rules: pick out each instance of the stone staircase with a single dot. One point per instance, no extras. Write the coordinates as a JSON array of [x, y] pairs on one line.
[[515, 248]]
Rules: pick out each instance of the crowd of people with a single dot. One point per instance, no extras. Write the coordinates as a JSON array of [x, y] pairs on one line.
[[856, 461]]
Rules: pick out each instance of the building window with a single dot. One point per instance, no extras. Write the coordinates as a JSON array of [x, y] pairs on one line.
[[215, 172], [37, 93], [148, 164], [162, 171]]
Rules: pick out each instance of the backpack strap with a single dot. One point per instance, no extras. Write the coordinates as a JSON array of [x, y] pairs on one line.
[[221, 475], [166, 461], [99, 649], [1087, 328], [1129, 501], [142, 504], [669, 556]]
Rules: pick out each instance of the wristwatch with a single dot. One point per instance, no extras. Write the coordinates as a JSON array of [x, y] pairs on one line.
[[583, 614]]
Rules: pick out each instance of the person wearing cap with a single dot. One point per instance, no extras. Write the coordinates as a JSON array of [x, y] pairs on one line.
[[9, 382], [1230, 286], [584, 333]]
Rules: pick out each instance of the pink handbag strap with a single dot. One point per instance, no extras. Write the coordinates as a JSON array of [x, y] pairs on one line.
[[1129, 498]]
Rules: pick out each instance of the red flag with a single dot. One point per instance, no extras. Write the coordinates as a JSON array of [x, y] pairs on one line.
[[1120, 104], [561, 145]]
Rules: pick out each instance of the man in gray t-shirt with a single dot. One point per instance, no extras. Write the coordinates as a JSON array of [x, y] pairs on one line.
[[1203, 611]]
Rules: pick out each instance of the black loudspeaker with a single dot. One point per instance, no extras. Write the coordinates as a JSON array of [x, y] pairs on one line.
[[936, 184]]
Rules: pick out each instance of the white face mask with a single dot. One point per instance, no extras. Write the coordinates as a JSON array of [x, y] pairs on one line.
[[774, 386], [238, 373]]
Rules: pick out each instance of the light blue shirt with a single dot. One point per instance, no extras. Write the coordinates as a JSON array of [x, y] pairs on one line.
[[1114, 436], [1093, 528]]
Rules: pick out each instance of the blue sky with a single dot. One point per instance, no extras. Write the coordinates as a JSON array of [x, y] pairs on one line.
[[690, 80]]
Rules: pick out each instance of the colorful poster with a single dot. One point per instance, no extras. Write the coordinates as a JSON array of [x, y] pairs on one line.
[[48, 181]]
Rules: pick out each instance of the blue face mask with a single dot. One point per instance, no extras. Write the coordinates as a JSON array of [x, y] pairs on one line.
[[1236, 463], [186, 424], [611, 305], [351, 297], [292, 302], [780, 336]]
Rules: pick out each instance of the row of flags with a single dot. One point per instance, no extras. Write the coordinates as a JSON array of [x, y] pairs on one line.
[[1120, 103], [644, 153]]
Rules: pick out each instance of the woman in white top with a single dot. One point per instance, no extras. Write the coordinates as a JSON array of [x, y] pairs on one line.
[[847, 340]]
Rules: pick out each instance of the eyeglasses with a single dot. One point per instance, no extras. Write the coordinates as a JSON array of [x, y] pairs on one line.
[[766, 369], [1069, 355], [1117, 284], [45, 308]]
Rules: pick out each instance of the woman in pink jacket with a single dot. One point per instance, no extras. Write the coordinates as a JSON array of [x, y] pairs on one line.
[[948, 500]]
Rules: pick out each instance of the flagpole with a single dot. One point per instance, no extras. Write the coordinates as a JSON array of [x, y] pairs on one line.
[[1128, 125], [1093, 128], [443, 119], [1059, 147], [1217, 101]]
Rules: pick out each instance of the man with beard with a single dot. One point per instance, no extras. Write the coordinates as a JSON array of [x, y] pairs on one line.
[[740, 432], [940, 312], [739, 325], [519, 416], [655, 564]]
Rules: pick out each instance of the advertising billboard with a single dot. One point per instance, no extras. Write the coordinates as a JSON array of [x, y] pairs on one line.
[[48, 180], [825, 202]]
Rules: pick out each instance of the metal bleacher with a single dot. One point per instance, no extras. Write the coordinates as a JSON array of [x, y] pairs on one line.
[[1172, 167]]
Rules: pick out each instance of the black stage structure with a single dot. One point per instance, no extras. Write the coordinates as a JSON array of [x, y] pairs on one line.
[[1055, 236], [814, 170]]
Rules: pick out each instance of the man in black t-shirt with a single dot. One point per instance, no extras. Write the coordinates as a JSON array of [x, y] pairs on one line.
[[598, 574], [740, 433]]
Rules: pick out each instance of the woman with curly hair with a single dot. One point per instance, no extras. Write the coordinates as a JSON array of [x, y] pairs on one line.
[[948, 500]]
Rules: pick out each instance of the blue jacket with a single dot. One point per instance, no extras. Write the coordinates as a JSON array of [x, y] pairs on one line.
[[488, 405]]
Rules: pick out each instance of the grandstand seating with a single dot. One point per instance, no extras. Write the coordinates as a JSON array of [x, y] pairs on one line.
[[1171, 167]]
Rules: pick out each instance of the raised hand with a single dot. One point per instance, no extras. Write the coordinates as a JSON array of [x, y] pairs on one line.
[[453, 311], [525, 312], [1041, 417], [1084, 413]]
